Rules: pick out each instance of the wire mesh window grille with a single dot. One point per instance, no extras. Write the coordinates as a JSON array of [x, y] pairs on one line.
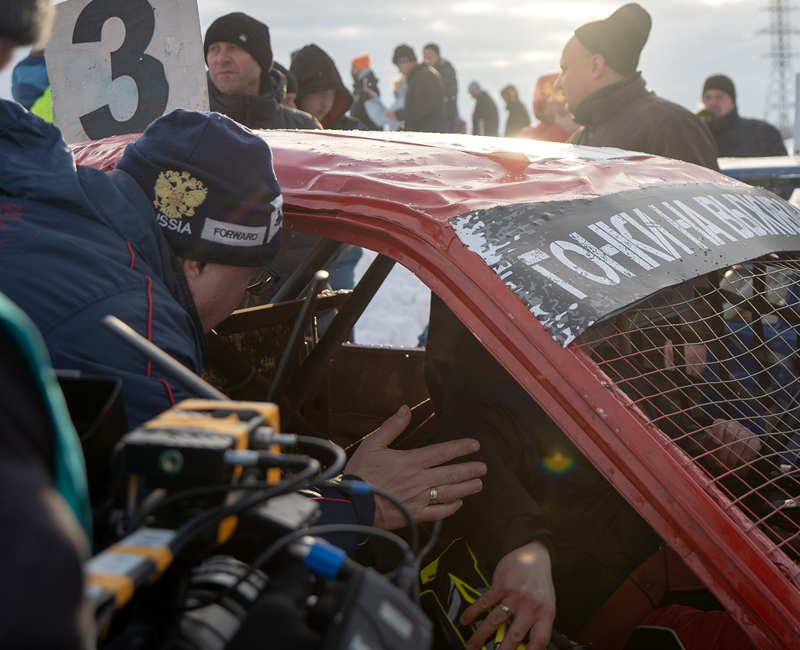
[[713, 364]]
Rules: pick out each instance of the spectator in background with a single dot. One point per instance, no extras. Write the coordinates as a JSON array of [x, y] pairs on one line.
[[550, 108], [377, 111], [29, 80], [321, 91], [737, 137], [242, 82], [30, 85], [365, 87], [518, 117], [290, 94], [431, 56], [485, 120], [424, 105], [607, 95]]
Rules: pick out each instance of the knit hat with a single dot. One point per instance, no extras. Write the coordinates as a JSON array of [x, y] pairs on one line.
[[403, 54], [432, 46], [213, 187], [316, 71], [720, 82], [361, 63], [619, 38], [291, 80], [473, 87], [248, 33]]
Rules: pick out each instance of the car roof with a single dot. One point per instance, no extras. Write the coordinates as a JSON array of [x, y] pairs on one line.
[[438, 175]]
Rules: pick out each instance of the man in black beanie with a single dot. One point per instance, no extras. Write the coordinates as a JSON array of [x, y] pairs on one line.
[[242, 81], [424, 108], [607, 95], [737, 137]]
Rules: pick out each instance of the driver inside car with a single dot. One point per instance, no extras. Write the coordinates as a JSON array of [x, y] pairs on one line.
[[560, 539]]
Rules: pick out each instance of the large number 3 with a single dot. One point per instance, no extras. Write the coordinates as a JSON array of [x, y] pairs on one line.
[[129, 60]]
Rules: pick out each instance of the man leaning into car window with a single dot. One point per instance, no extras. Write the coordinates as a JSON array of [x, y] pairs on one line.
[[169, 242]]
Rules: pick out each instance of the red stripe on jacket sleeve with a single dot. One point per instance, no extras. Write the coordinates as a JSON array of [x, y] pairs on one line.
[[169, 391], [133, 257], [149, 318]]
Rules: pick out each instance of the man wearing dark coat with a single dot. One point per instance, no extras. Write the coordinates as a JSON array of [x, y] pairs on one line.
[[518, 117], [424, 107], [737, 137], [431, 55], [607, 95], [485, 119], [242, 82]]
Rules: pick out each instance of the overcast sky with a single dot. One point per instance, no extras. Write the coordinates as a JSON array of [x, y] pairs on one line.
[[515, 41]]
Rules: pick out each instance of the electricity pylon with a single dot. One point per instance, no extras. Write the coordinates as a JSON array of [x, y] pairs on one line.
[[779, 105]]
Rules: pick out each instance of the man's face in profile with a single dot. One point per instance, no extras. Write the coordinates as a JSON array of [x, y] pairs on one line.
[[233, 70], [575, 79]]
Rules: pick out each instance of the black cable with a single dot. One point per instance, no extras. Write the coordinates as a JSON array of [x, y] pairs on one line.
[[287, 539], [408, 562], [355, 487], [201, 521], [192, 493], [340, 457]]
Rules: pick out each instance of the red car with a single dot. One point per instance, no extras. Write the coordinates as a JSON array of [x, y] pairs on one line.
[[566, 262]]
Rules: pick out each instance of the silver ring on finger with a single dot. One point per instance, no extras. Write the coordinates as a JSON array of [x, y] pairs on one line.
[[434, 496], [505, 608]]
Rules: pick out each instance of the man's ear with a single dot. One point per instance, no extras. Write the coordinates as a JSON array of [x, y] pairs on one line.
[[598, 66], [192, 269]]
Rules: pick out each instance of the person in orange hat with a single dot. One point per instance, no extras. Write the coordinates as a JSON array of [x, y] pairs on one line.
[[365, 87], [550, 108]]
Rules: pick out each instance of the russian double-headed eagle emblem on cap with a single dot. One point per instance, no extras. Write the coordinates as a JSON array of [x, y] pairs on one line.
[[178, 194]]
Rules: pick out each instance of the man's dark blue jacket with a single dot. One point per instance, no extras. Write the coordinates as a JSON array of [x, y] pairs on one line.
[[77, 244]]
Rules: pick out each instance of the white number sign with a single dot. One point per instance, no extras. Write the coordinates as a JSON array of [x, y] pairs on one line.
[[116, 65]]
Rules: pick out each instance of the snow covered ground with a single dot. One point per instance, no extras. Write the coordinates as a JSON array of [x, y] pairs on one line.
[[398, 313]]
